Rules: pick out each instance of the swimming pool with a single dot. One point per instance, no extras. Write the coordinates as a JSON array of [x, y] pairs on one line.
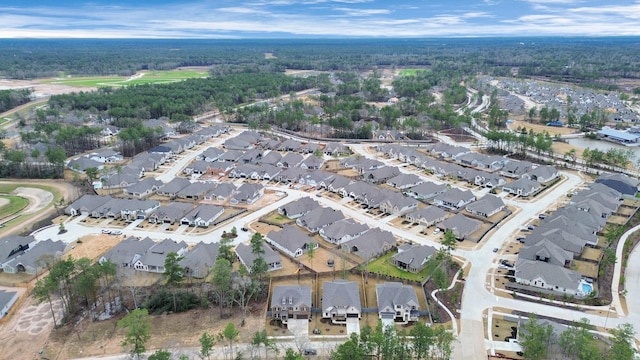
[[586, 288]]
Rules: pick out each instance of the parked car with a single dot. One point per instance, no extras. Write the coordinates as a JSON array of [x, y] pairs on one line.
[[310, 352], [244, 229], [436, 231], [106, 231], [495, 250], [116, 232]]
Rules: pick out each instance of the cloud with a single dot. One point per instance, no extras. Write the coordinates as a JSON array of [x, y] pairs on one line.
[[361, 12]]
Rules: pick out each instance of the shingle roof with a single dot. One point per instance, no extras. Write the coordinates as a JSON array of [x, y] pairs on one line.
[[390, 294], [340, 293], [299, 295], [551, 274]]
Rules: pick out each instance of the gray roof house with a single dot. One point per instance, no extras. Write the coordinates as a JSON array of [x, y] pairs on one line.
[[559, 236], [404, 181], [312, 162], [86, 204], [540, 274], [370, 244], [195, 191], [30, 260], [174, 186], [153, 259], [338, 183], [7, 299], [126, 209], [143, 188], [547, 251], [381, 175], [106, 156], [427, 216], [127, 252], [412, 258], [426, 190], [342, 231], [291, 240], [398, 204], [317, 178], [297, 208], [624, 184], [128, 177], [336, 149], [516, 168], [397, 302], [461, 226], [211, 154], [361, 164], [271, 257], [291, 302], [340, 301], [487, 206], [199, 261], [14, 245], [82, 163], [522, 187], [272, 158], [247, 193], [290, 160], [222, 192], [204, 215], [454, 198], [290, 175], [170, 213], [543, 174], [318, 218], [289, 145]]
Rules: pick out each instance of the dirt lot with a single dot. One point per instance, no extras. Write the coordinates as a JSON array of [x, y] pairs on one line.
[[92, 246]]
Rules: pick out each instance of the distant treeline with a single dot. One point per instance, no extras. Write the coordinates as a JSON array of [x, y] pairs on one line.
[[9, 99], [597, 62]]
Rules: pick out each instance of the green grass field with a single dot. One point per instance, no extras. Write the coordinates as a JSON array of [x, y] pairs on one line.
[[383, 266], [16, 203], [411, 72], [142, 77]]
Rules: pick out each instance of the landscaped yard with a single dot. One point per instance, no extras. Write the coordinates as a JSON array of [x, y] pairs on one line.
[[275, 217], [383, 266]]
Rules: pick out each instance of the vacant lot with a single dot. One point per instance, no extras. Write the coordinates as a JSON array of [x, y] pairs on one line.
[[10, 205], [143, 77]]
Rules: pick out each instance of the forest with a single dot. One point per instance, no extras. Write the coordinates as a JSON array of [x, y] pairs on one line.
[[597, 62], [10, 99]]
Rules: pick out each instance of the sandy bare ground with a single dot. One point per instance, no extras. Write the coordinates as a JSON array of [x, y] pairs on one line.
[[38, 198], [41, 89], [541, 128], [3, 202]]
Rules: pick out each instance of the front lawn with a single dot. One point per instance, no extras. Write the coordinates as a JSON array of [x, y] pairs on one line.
[[383, 266]]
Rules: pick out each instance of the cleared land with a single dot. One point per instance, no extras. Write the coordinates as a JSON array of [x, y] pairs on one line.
[[143, 77], [411, 72], [10, 205]]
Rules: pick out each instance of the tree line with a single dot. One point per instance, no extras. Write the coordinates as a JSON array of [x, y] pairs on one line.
[[10, 99]]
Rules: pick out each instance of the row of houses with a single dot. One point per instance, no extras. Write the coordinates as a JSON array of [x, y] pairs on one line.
[[474, 168], [341, 301], [549, 251], [332, 226], [249, 140]]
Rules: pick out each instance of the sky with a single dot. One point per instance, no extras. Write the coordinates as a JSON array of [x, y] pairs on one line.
[[213, 19]]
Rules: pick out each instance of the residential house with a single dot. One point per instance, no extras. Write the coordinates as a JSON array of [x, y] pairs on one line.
[[127, 252], [252, 156], [522, 187], [125, 209], [342, 231], [291, 240], [487, 206], [146, 161], [336, 149], [289, 145], [198, 262], [290, 175], [447, 151], [397, 302], [203, 215], [427, 216], [312, 162], [297, 208], [220, 168], [222, 192], [247, 193], [169, 214], [540, 274], [173, 187], [143, 188], [291, 302], [316, 178], [624, 184], [126, 178], [82, 163], [370, 244], [153, 259], [110, 130], [106, 156], [461, 226], [239, 143], [30, 261], [86, 204], [361, 164], [405, 181], [14, 245], [547, 251], [381, 175], [198, 167], [7, 300], [398, 204], [341, 301], [210, 154], [195, 191], [231, 156], [454, 199], [247, 257], [272, 158], [543, 174], [309, 148], [318, 218], [412, 258], [516, 168], [338, 183], [426, 190], [290, 160]]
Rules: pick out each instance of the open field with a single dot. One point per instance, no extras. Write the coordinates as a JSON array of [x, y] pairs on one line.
[[143, 77], [13, 205], [410, 72]]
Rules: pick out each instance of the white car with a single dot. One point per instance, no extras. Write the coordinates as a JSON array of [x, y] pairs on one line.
[[116, 232], [436, 231], [106, 231]]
